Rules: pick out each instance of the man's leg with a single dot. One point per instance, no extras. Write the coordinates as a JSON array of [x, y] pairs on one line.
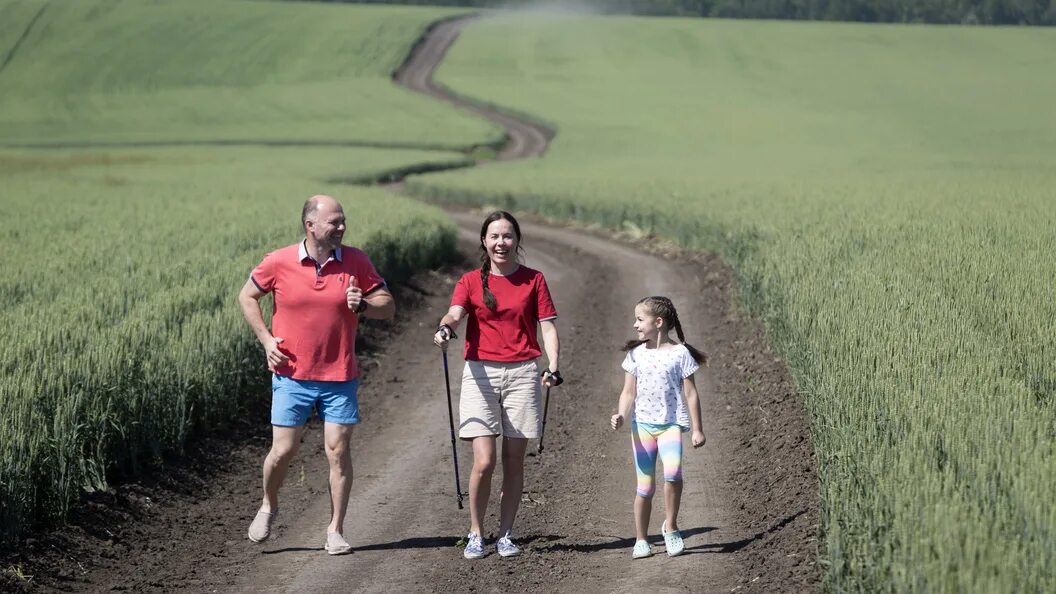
[[285, 441], [338, 439]]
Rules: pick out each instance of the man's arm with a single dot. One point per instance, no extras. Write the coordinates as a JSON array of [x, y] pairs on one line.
[[249, 299], [380, 305]]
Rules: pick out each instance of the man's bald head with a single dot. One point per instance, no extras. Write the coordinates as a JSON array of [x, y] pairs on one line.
[[320, 203]]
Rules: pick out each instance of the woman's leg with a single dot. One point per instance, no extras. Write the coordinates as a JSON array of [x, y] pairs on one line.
[[513, 450], [669, 446], [480, 481]]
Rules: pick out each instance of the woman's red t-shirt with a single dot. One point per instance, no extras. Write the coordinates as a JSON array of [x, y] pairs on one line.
[[507, 334]]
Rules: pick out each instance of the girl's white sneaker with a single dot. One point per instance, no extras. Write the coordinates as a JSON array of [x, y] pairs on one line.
[[642, 550]]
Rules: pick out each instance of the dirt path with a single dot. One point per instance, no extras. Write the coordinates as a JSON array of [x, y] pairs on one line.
[[576, 520], [749, 511], [524, 138]]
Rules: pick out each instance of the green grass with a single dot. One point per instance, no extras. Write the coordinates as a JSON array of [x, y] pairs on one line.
[[122, 258], [885, 194], [111, 71]]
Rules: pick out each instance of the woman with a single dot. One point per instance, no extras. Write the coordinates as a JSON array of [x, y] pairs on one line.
[[502, 302]]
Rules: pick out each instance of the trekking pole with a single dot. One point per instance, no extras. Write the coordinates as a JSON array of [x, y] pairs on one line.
[[451, 422], [546, 406]]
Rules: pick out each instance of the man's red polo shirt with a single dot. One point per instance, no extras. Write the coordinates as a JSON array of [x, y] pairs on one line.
[[311, 314]]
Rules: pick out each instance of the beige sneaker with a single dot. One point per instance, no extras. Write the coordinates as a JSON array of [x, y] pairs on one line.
[[336, 544], [260, 529]]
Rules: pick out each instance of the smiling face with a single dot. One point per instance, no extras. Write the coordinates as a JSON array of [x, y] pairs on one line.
[[646, 325], [500, 243], [326, 224]]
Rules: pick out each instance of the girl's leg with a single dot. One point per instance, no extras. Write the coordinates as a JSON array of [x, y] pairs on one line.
[[513, 449], [644, 446], [643, 508], [669, 446], [480, 480]]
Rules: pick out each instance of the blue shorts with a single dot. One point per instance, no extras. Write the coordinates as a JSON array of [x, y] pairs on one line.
[[293, 400]]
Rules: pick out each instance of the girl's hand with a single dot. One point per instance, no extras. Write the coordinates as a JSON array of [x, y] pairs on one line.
[[699, 439], [616, 421]]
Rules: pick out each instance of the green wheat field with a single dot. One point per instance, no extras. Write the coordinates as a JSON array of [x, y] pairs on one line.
[[884, 193]]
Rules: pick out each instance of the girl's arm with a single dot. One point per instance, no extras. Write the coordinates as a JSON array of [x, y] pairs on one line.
[[623, 409], [689, 390], [451, 319], [552, 346]]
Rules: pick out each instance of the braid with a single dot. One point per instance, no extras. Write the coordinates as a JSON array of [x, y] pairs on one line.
[[697, 355], [485, 272]]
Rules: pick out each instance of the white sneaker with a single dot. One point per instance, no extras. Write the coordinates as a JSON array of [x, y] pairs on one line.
[[506, 547], [474, 546], [642, 549]]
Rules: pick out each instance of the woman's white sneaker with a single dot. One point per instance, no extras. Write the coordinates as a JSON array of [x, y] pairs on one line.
[[474, 546], [506, 547]]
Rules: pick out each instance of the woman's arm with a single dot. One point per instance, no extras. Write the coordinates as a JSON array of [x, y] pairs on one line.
[[623, 409], [689, 391], [552, 346]]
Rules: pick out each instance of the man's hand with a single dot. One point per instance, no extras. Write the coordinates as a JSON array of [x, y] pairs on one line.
[[276, 358], [353, 294]]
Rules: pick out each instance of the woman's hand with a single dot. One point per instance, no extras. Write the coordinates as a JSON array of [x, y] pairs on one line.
[[552, 378], [699, 439], [616, 421], [443, 335]]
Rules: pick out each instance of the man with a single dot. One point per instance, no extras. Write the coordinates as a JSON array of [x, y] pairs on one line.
[[321, 289]]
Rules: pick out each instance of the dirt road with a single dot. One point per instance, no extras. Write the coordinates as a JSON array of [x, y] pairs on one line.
[[749, 512]]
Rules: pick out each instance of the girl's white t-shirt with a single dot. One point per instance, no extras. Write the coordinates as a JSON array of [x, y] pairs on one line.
[[659, 374]]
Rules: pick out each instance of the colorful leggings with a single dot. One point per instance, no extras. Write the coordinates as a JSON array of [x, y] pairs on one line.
[[647, 441]]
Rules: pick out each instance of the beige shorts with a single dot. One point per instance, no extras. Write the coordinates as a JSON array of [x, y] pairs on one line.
[[500, 399]]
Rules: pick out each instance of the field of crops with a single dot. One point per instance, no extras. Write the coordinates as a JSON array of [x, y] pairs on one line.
[[125, 244], [886, 196]]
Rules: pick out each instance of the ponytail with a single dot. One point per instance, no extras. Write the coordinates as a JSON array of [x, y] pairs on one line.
[[698, 356], [633, 344]]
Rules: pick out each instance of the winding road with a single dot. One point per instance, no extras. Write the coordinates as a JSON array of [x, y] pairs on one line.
[[575, 522]]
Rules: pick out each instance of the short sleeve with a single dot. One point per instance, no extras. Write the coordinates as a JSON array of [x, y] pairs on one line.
[[367, 276], [461, 295], [544, 303], [630, 365], [264, 274], [689, 365]]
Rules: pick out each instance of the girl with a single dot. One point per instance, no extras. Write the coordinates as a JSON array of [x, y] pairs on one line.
[[503, 303], [659, 383]]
